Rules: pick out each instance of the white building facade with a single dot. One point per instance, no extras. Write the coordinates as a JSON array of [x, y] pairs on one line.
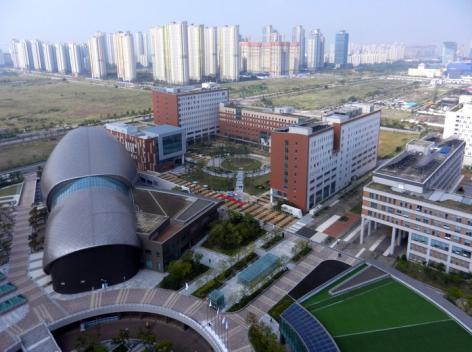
[[228, 53], [458, 123], [98, 55]]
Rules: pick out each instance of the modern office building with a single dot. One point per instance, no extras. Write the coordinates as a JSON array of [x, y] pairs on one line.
[[76, 56], [170, 53], [125, 59], [153, 148], [141, 45], [63, 58], [38, 56], [311, 162], [210, 52], [195, 110], [315, 51], [90, 239], [298, 36], [196, 52], [341, 49], [414, 194], [253, 125], [169, 223], [228, 53], [449, 51], [97, 46], [50, 57], [458, 123]]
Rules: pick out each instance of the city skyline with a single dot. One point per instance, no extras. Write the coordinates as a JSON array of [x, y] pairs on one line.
[[365, 23]]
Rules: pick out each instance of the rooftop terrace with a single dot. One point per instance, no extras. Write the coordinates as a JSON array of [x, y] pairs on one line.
[[421, 158]]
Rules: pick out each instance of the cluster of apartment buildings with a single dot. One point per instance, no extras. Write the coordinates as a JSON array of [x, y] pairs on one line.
[[181, 53]]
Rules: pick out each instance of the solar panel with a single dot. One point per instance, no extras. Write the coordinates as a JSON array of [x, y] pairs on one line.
[[314, 335]]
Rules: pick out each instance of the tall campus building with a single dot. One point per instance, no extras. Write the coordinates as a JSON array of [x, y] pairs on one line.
[[21, 54], [341, 49], [98, 55], [195, 110], [311, 162], [298, 35], [228, 52], [458, 123], [125, 59], [414, 194], [315, 50]]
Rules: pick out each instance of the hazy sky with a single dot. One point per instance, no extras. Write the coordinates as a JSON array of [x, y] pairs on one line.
[[367, 21]]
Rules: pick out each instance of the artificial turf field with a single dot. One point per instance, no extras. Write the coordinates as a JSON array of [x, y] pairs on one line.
[[387, 316]]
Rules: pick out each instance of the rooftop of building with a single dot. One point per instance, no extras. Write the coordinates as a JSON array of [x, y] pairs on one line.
[[141, 130], [280, 110], [420, 159], [204, 87], [441, 198], [307, 128], [161, 214]]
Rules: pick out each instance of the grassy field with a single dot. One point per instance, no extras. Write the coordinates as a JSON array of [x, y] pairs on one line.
[[257, 185], [246, 164], [25, 153], [387, 316], [389, 141], [337, 95], [250, 88], [213, 182], [37, 103]]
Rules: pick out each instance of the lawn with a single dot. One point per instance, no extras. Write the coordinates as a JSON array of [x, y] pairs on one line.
[[386, 316], [38, 103], [236, 164], [25, 153], [213, 182], [390, 143], [257, 185]]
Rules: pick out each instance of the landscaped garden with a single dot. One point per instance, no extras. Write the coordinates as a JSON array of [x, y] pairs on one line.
[[229, 235], [183, 270]]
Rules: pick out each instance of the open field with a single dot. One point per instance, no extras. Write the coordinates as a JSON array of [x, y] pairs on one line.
[[340, 95], [25, 153], [36, 103], [389, 141], [285, 84], [387, 316]]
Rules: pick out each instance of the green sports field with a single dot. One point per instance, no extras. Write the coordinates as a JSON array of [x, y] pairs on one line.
[[387, 316]]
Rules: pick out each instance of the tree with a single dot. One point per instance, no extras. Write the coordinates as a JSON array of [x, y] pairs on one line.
[[179, 268], [122, 338], [163, 346], [147, 338]]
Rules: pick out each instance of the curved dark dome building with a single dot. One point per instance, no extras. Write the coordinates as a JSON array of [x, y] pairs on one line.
[[91, 230]]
